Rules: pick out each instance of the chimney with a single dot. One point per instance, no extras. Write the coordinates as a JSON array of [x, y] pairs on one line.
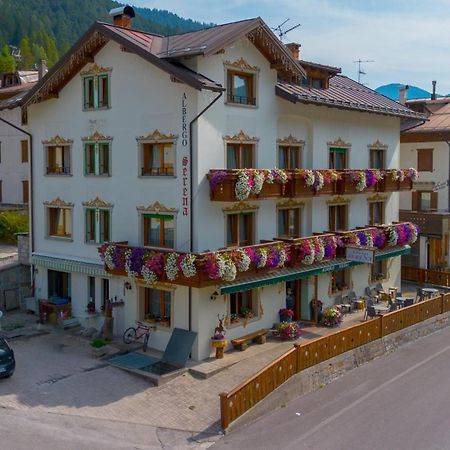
[[122, 16], [42, 68], [402, 93], [433, 95], [295, 49]]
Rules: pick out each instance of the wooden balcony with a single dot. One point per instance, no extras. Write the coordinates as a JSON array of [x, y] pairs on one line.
[[223, 184], [150, 265]]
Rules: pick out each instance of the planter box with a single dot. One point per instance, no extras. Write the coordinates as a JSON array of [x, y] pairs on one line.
[[68, 323], [100, 351], [299, 187], [405, 185], [387, 184]]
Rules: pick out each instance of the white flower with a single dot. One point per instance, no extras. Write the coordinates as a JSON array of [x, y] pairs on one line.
[[309, 259], [309, 177], [369, 239], [320, 253], [188, 265], [392, 238], [171, 266], [262, 258], [318, 181], [282, 253], [414, 234], [244, 261], [109, 256], [130, 273], [148, 275], [258, 181], [229, 269], [242, 189]]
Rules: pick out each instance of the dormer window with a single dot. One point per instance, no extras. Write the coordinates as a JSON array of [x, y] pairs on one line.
[[96, 88], [241, 83]]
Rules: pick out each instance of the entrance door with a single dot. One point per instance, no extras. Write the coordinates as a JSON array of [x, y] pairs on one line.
[[435, 254], [293, 297]]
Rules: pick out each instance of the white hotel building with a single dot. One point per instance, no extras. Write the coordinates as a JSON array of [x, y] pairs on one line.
[[129, 126]]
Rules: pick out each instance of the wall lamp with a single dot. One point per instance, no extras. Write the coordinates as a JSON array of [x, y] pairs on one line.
[[127, 285], [214, 295]]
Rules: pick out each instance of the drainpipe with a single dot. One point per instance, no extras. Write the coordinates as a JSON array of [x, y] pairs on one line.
[[31, 203], [191, 192]]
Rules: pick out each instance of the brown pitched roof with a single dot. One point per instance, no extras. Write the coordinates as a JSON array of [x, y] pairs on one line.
[[345, 93]]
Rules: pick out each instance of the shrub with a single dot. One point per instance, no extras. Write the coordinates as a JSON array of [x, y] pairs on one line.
[[98, 343], [12, 222]]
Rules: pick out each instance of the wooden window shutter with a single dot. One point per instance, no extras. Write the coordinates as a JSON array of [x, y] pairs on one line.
[[415, 200], [434, 200], [24, 147], [425, 160], [25, 191]]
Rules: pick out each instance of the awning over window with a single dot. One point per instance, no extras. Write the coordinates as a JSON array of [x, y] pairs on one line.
[[69, 265], [297, 273]]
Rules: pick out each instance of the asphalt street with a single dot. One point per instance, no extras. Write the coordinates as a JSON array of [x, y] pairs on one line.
[[400, 401]]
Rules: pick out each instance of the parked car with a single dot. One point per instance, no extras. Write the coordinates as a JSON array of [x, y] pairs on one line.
[[7, 360]]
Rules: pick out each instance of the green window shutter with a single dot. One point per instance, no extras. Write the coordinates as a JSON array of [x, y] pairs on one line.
[[338, 150], [87, 226], [104, 226], [85, 159], [159, 216], [107, 90]]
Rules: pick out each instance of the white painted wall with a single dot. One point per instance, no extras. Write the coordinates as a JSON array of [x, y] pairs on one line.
[[12, 170]]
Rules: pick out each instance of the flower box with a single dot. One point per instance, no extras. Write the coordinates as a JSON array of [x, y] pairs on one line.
[[299, 188], [387, 184], [405, 185]]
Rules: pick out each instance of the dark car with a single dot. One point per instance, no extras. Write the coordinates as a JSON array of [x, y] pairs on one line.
[[7, 360]]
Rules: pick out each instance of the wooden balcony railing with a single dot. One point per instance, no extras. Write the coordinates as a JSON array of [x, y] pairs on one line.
[[258, 184], [229, 264]]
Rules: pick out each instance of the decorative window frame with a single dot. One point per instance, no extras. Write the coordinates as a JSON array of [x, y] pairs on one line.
[[141, 303], [340, 143], [56, 141], [376, 198], [97, 138], [241, 138], [349, 276], [377, 145], [156, 137], [290, 203], [242, 66], [256, 306], [98, 205], [387, 274], [292, 141], [156, 208], [95, 71], [239, 208], [58, 203]]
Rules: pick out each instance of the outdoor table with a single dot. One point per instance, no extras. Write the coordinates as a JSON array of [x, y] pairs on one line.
[[380, 309], [430, 291], [400, 301], [393, 292]]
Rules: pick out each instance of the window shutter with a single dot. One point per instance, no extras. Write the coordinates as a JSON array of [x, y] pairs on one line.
[[415, 200], [24, 147], [434, 200], [425, 160]]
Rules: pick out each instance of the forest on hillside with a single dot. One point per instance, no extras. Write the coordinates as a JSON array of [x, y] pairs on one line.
[[45, 29]]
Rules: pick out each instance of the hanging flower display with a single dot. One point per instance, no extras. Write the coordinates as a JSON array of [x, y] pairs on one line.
[[133, 262], [276, 175], [308, 176], [319, 248], [359, 178], [241, 260], [256, 181], [330, 245], [216, 178], [187, 265], [318, 181], [331, 176], [392, 237], [171, 267], [229, 269], [306, 252], [398, 175], [108, 256], [261, 257], [412, 174], [380, 239], [243, 188], [148, 275], [372, 177]]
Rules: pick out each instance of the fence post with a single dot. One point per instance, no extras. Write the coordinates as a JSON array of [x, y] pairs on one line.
[[297, 357], [224, 410], [381, 326], [442, 303]]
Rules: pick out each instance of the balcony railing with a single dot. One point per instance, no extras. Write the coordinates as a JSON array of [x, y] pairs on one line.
[[255, 184], [212, 268], [58, 170]]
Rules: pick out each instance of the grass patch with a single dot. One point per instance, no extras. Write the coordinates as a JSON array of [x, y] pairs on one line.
[[12, 326], [12, 222], [98, 343]]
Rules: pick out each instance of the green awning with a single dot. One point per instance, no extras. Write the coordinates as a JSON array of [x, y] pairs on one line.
[[392, 252], [69, 265]]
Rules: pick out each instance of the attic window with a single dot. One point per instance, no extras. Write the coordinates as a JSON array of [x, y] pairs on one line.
[[241, 83], [314, 82], [96, 88]]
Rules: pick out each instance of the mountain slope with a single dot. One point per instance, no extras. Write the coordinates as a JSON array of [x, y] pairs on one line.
[[393, 91]]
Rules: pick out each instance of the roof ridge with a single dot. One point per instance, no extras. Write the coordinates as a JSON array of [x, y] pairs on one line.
[[129, 29]]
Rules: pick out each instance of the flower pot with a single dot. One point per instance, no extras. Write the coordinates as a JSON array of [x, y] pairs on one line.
[[219, 345], [285, 319]]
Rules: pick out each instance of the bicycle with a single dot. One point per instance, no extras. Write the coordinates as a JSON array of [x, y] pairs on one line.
[[133, 334]]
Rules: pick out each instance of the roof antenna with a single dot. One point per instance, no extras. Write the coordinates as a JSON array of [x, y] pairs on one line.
[[279, 29], [360, 70]]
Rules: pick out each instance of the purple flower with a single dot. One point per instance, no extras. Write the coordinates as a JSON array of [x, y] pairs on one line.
[[380, 240], [217, 178], [136, 260], [362, 238]]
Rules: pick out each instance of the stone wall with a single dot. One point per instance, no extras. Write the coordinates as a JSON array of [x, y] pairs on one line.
[[15, 286], [23, 244]]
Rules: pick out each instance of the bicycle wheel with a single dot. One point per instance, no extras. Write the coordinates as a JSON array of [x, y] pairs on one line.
[[130, 335], [144, 347]]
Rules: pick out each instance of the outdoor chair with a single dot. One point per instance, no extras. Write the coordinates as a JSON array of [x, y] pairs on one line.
[[352, 298], [379, 287], [370, 312], [346, 305], [392, 306], [420, 296], [408, 302]]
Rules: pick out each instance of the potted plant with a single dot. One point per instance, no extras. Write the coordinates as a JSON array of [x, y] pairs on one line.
[[288, 331], [218, 340], [286, 314], [234, 318], [91, 307], [99, 347], [331, 317], [246, 313]]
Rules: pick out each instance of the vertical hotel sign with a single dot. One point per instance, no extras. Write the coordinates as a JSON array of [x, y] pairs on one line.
[[185, 161]]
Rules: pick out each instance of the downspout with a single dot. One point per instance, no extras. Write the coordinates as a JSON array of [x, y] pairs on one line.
[[191, 192], [31, 203]]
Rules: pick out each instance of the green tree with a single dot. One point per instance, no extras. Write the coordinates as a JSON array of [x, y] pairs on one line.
[[38, 52], [27, 60], [7, 63], [51, 50]]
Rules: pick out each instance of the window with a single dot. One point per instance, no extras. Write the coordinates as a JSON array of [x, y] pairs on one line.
[[24, 148], [424, 200], [97, 225], [425, 160], [58, 160], [340, 280], [91, 289], [60, 222], [239, 229], [379, 271], [377, 158], [105, 293], [159, 230], [158, 159], [243, 305], [96, 92], [376, 213], [158, 306], [289, 156], [97, 158], [58, 284], [240, 156], [312, 82], [25, 191], [289, 222], [338, 158], [241, 88], [337, 217]]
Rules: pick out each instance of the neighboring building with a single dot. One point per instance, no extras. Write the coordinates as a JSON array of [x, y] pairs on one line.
[[427, 147], [14, 144], [114, 126]]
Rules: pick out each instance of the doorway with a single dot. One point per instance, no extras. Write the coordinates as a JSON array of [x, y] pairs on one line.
[[294, 299]]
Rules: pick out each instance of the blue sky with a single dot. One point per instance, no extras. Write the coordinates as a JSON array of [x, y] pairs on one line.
[[408, 39]]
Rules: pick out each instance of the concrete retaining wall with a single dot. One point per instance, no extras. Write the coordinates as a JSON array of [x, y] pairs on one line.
[[15, 286], [320, 375]]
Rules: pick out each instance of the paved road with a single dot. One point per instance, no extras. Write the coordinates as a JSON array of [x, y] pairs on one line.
[[400, 401]]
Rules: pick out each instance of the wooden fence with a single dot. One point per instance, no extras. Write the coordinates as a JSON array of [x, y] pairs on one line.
[[437, 277], [243, 397]]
